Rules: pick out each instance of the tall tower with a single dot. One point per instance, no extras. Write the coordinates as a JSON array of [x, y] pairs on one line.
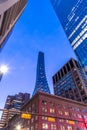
[[41, 81], [10, 11], [73, 17]]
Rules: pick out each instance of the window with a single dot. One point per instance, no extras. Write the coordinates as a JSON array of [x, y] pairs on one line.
[[70, 128], [36, 117], [32, 120], [44, 118], [51, 104], [44, 109], [77, 109], [61, 120], [44, 102], [52, 110], [79, 116], [83, 111], [45, 126], [33, 105], [62, 128], [53, 127], [66, 106], [66, 113], [60, 112], [59, 106], [36, 126], [32, 128]]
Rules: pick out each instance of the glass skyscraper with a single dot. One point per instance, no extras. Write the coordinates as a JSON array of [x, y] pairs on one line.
[[73, 17], [41, 80]]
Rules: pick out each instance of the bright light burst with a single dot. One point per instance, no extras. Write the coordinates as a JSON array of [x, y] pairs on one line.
[[4, 69]]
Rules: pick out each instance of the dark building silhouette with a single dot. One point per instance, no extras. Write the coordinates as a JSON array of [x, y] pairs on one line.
[[71, 82], [41, 80], [73, 17], [14, 102]]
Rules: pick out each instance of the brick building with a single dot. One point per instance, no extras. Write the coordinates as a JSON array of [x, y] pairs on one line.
[[51, 112]]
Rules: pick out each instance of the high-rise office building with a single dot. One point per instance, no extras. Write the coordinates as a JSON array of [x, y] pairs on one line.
[[10, 10], [13, 103], [41, 80], [73, 17], [70, 82]]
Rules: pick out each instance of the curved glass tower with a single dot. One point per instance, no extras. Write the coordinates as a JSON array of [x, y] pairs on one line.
[[41, 80]]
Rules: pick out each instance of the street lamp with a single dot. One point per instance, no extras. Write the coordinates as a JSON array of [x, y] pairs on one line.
[[3, 70]]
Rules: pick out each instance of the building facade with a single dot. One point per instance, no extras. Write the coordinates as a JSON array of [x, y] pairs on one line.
[[70, 82], [73, 17], [41, 80], [10, 10], [13, 103], [51, 112]]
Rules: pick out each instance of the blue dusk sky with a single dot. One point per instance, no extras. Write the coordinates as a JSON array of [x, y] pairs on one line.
[[38, 29]]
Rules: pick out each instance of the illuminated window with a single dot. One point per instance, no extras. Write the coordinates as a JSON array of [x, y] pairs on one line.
[[32, 120], [62, 128], [60, 112], [36, 126], [53, 127], [32, 128], [44, 118], [28, 122], [45, 126], [44, 109], [52, 110], [67, 121], [67, 113], [44, 102], [70, 128], [79, 116], [36, 117], [61, 120]]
